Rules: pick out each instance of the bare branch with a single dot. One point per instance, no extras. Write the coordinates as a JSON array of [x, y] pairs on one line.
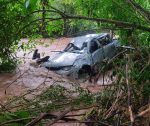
[[60, 116], [129, 89], [143, 113]]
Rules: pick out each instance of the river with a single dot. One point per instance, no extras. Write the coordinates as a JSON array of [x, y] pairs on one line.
[[29, 76]]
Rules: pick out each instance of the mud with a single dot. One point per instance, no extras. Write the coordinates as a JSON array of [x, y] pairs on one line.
[[28, 75]]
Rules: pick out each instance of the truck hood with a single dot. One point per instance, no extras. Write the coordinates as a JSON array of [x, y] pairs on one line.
[[61, 59]]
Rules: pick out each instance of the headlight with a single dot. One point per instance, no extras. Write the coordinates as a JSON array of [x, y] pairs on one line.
[[66, 68]]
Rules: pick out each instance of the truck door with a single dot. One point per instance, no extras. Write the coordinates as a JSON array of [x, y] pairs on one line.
[[96, 51], [108, 47]]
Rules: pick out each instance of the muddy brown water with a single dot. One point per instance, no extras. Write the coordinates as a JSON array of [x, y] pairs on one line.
[[29, 76]]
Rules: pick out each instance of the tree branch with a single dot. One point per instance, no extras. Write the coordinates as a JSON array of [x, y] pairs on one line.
[[140, 9], [60, 116], [110, 21], [147, 111], [104, 20], [129, 89]]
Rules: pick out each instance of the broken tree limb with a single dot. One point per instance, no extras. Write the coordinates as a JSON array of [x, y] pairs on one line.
[[114, 105], [147, 111], [49, 116], [111, 21], [65, 16], [36, 120], [129, 88], [60, 116]]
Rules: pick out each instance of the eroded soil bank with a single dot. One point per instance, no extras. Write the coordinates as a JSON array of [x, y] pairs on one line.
[[30, 76]]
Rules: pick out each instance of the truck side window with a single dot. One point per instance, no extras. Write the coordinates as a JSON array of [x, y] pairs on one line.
[[93, 46], [102, 41], [107, 38]]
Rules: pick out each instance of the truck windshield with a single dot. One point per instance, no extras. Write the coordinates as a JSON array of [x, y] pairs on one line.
[[72, 48]]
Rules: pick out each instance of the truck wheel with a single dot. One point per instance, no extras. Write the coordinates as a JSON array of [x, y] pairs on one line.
[[84, 72]]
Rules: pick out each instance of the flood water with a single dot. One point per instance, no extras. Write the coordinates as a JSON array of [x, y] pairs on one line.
[[29, 76]]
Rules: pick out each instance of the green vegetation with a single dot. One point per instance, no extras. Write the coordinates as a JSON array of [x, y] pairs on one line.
[[130, 19]]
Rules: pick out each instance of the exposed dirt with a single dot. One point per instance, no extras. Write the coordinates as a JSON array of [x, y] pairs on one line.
[[29, 75]]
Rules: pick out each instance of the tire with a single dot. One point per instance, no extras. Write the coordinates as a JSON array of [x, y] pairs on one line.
[[84, 72]]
